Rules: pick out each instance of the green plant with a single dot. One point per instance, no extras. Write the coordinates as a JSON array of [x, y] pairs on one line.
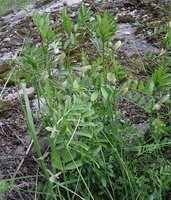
[[47, 36], [104, 27], [4, 186], [84, 15], [94, 152], [68, 26]]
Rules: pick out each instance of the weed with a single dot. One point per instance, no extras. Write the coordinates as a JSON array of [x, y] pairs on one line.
[[94, 152]]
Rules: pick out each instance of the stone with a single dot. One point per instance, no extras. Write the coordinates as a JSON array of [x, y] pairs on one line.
[[3, 50], [7, 39], [144, 127], [29, 91]]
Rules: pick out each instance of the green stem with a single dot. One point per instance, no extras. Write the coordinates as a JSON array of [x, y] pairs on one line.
[[151, 117], [68, 195], [68, 57], [103, 64], [47, 60]]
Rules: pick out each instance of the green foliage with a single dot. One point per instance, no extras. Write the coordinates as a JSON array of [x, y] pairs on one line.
[[4, 186], [162, 79], [105, 27], [70, 29], [84, 15], [168, 35], [94, 152], [42, 23], [67, 23]]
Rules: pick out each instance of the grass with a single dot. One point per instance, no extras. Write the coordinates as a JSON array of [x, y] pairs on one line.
[[8, 5], [94, 153]]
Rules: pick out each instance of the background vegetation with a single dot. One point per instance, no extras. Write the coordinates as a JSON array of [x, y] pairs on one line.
[[8, 5]]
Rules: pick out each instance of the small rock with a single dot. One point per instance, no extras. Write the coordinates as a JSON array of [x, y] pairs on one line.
[[20, 150], [144, 127], [52, 22], [27, 140], [48, 10], [41, 103], [3, 50], [7, 39], [73, 15], [29, 91]]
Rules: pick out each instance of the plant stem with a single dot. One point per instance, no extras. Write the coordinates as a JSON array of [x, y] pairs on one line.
[[103, 64], [68, 57]]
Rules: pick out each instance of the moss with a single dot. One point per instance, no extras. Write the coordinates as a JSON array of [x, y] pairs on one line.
[[4, 67], [134, 67], [5, 107], [126, 19]]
